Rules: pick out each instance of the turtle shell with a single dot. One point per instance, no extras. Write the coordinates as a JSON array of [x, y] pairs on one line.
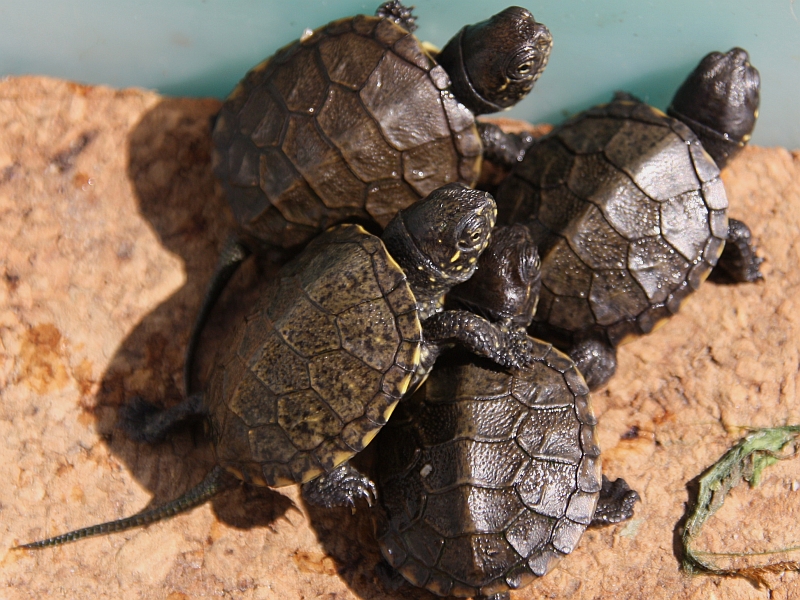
[[319, 365], [629, 214], [486, 477], [353, 122]]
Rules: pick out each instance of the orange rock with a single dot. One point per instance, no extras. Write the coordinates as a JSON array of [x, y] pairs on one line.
[[109, 225]]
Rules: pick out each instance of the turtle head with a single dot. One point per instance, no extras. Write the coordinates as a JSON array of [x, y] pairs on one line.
[[493, 64], [719, 102], [507, 283], [437, 240]]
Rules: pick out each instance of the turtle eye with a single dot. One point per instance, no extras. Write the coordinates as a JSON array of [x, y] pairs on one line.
[[523, 65], [531, 264], [472, 234]]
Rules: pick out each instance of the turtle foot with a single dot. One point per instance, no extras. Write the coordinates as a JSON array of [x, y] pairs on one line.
[[615, 504], [516, 352], [738, 263], [143, 421], [596, 361], [501, 148], [396, 12], [341, 487]]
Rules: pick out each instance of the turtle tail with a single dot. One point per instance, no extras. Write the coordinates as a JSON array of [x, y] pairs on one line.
[[218, 480]]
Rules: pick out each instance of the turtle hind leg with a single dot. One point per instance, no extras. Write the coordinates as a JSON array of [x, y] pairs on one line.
[[595, 359], [395, 11], [501, 148], [143, 421], [341, 487], [231, 257], [615, 503], [738, 263]]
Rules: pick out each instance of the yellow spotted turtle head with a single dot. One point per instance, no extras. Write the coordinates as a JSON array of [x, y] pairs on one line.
[[438, 240]]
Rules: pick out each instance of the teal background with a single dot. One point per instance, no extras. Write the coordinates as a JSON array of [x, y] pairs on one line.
[[203, 47]]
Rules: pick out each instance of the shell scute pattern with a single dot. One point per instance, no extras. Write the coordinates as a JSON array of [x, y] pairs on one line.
[[349, 59], [581, 141], [384, 97], [571, 207], [488, 477], [629, 214], [253, 402], [345, 124], [320, 363]]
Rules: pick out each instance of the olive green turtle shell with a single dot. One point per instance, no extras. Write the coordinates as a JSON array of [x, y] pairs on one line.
[[486, 478], [629, 214], [353, 122], [319, 365]]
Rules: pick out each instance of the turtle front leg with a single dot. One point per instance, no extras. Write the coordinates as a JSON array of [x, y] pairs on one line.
[[231, 257], [395, 11], [341, 487], [595, 359], [738, 263], [509, 347], [615, 503], [143, 421], [501, 148]]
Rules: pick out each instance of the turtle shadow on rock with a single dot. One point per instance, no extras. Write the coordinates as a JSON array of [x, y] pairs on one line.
[[348, 538], [169, 167]]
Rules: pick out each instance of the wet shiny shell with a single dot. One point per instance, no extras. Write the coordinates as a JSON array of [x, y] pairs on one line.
[[354, 122], [319, 365], [629, 213], [488, 478]]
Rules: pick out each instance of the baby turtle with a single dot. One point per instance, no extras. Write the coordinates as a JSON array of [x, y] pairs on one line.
[[488, 476], [319, 365], [629, 213], [359, 119]]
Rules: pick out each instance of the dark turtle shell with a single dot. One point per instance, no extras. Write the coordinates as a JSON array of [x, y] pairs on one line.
[[353, 122], [488, 477], [629, 214], [319, 365]]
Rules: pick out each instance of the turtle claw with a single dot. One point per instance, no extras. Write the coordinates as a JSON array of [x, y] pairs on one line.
[[399, 14], [739, 262], [340, 488], [615, 504], [596, 360], [501, 148], [515, 350]]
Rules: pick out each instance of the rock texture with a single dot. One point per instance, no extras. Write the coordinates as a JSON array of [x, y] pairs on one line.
[[109, 224]]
